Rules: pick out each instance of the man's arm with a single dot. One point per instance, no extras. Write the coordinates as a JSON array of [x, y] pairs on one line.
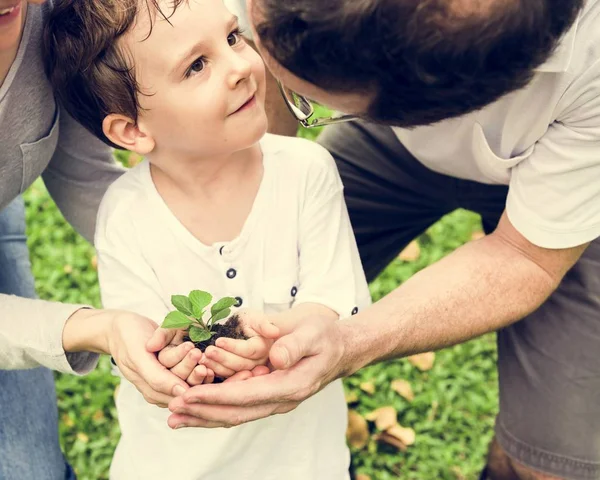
[[483, 286]]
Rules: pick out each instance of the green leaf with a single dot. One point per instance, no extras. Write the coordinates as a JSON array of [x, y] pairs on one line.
[[225, 302], [176, 320], [198, 334], [197, 312], [220, 315], [182, 303], [199, 300]]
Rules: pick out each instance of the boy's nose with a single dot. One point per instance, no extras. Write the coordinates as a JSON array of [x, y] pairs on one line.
[[240, 70]]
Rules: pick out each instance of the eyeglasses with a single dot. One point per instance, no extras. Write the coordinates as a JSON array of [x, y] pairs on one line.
[[302, 109]]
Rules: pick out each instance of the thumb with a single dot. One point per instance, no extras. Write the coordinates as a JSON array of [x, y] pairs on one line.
[[160, 339], [160, 379], [267, 330], [291, 348]]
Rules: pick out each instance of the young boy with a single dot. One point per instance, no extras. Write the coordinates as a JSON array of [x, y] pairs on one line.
[[217, 205]]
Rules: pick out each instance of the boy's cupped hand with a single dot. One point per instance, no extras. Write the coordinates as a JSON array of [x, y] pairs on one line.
[[183, 359], [231, 359], [230, 356]]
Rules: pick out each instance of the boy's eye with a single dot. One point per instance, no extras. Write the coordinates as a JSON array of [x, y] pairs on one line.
[[196, 67], [234, 37]]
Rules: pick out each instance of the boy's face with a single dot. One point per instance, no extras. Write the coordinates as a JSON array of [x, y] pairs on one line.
[[202, 87]]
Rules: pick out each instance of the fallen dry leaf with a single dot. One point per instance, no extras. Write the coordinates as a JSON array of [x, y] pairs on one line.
[[458, 473], [423, 361], [357, 433], [411, 253], [477, 235], [392, 441], [94, 262], [403, 388], [368, 387], [362, 476], [98, 415], [384, 417], [351, 397], [67, 420], [406, 435]]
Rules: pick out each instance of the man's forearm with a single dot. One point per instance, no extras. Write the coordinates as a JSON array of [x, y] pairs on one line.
[[481, 287]]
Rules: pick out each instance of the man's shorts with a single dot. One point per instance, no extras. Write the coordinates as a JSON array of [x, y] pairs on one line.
[[549, 362]]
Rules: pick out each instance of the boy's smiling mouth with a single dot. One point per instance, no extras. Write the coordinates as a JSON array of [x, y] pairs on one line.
[[250, 102]]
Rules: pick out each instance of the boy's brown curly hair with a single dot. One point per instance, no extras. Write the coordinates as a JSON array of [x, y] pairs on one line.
[[91, 74]]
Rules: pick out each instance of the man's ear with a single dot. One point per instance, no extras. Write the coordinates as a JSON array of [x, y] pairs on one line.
[[123, 131]]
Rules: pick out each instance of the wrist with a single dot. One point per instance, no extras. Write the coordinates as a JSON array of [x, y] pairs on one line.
[[88, 330], [349, 362]]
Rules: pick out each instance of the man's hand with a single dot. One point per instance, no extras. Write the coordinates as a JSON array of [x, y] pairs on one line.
[[230, 355], [307, 359]]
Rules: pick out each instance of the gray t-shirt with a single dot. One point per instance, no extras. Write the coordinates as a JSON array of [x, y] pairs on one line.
[[38, 138]]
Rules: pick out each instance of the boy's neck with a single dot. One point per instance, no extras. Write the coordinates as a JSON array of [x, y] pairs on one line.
[[203, 176], [212, 199]]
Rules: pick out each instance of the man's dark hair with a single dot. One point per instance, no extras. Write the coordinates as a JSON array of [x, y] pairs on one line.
[[91, 74], [424, 60]]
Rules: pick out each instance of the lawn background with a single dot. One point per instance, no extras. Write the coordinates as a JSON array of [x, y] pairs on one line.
[[454, 402]]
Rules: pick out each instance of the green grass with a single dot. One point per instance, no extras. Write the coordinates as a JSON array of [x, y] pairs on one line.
[[454, 405]]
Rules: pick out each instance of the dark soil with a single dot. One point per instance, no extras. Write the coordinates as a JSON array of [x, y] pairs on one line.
[[231, 329]]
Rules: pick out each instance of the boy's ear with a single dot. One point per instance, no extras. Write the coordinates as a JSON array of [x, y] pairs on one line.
[[123, 131]]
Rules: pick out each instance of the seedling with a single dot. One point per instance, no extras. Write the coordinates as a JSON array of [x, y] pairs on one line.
[[191, 311]]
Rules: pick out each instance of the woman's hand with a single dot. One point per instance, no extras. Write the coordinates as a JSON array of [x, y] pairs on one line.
[[124, 336]]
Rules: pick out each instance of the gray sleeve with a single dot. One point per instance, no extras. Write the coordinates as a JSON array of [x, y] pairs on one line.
[[31, 336], [79, 173]]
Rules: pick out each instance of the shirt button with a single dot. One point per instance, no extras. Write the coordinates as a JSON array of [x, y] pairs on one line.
[[231, 273], [238, 301], [221, 249], [294, 291], [354, 310]]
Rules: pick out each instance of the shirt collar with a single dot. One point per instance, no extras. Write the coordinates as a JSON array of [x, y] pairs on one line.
[[561, 58]]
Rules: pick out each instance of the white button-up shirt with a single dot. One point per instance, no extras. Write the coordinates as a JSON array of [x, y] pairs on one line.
[[295, 247], [543, 141]]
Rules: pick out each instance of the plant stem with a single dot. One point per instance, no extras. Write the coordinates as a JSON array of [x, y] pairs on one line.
[[202, 324]]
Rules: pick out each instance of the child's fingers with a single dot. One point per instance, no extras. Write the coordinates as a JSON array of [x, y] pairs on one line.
[[198, 376], [171, 355], [210, 376], [184, 368], [260, 370], [230, 360], [217, 368], [254, 348]]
